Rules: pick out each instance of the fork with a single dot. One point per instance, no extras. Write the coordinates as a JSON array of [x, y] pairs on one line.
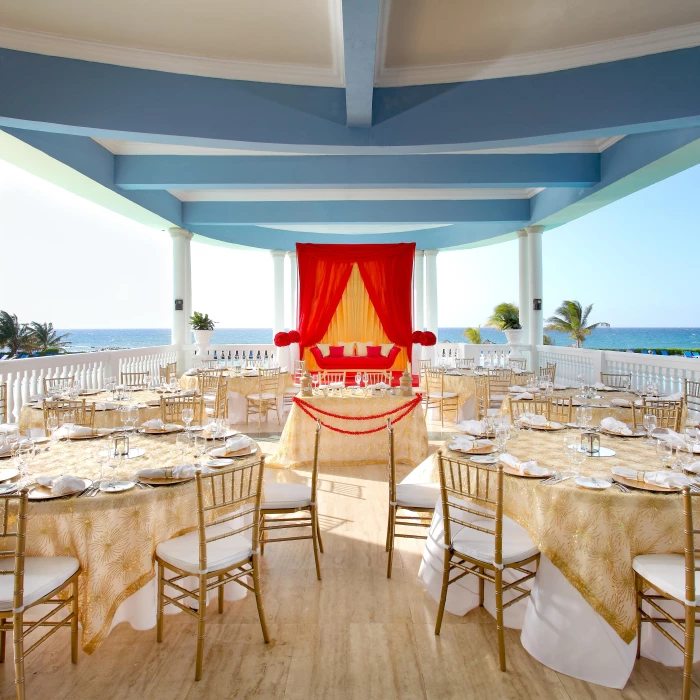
[[622, 487]]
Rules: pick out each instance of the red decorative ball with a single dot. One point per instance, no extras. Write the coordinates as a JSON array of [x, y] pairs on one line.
[[416, 336], [294, 336], [282, 339], [427, 338]]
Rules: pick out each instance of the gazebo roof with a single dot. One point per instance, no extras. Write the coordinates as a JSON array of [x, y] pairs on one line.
[[450, 124]]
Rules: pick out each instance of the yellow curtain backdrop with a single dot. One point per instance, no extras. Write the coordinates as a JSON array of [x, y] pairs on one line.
[[356, 319]]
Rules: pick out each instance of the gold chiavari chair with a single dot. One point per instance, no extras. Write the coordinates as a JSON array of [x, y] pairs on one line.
[[422, 366], [672, 577], [479, 539], [378, 377], [405, 501], [691, 392], [134, 379], [26, 582], [332, 377], [55, 385], [266, 398], [208, 382], [549, 371], [518, 407], [619, 381], [217, 552], [65, 411], [481, 383], [668, 414], [218, 408], [436, 396], [3, 403], [171, 408], [499, 381], [291, 391], [464, 363], [210, 364], [167, 372], [560, 409], [291, 499], [518, 363]]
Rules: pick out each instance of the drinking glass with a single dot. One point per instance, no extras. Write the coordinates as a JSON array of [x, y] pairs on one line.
[[183, 443], [579, 457], [101, 456], [684, 455], [12, 438], [52, 427], [187, 417], [502, 437], [133, 416], [365, 378], [583, 415], [200, 445], [665, 452], [358, 379], [24, 452], [571, 446], [650, 424], [114, 461], [174, 385], [625, 383], [124, 416]]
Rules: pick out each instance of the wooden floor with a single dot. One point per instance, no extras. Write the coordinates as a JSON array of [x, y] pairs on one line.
[[353, 635]]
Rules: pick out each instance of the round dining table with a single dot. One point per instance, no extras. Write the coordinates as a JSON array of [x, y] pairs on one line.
[[581, 617], [113, 535]]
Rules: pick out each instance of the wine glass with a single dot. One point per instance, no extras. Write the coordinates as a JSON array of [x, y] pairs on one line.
[[571, 446], [200, 446], [174, 385], [183, 443], [358, 379], [665, 452], [101, 456], [23, 454], [187, 417], [133, 415], [583, 415], [52, 427], [124, 416], [650, 424], [114, 462]]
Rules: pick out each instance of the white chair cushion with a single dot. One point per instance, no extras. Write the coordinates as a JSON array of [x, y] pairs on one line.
[[417, 495], [292, 390], [41, 576], [277, 496], [497, 397], [517, 544], [183, 551], [265, 397], [209, 396], [665, 572], [444, 395]]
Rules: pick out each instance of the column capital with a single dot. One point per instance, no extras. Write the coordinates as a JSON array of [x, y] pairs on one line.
[[420, 253], [534, 229], [177, 232], [278, 253], [432, 252], [291, 254], [522, 233]]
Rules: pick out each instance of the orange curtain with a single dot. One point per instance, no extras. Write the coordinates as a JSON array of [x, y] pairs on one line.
[[355, 319]]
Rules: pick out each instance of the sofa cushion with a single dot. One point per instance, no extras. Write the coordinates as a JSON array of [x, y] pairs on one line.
[[355, 363], [348, 349], [325, 349], [374, 351], [337, 351], [361, 349], [386, 348]]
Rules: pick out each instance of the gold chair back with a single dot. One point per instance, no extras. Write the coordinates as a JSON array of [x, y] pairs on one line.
[[3, 403], [171, 408], [210, 364], [560, 409], [13, 529], [422, 366], [167, 372], [299, 369], [330, 377], [692, 399], [208, 380], [619, 381], [221, 401], [435, 380], [539, 407], [54, 385], [135, 379], [500, 380], [518, 363], [482, 395], [668, 413], [376, 377], [269, 381], [549, 371], [464, 363], [65, 411]]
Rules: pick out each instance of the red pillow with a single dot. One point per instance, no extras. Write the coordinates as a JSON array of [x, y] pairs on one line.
[[337, 350], [374, 351]]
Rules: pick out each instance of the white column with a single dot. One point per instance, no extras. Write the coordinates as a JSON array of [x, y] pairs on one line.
[[431, 293], [293, 288], [188, 291], [278, 286], [534, 239], [524, 285], [181, 274], [418, 292]]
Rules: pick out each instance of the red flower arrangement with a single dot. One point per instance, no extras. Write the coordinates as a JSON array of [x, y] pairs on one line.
[[294, 336], [282, 339], [416, 336], [427, 338]]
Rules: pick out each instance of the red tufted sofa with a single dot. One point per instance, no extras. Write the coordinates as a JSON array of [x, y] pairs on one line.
[[355, 362]]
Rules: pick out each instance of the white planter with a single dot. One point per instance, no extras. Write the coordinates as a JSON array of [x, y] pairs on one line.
[[514, 336], [202, 338]]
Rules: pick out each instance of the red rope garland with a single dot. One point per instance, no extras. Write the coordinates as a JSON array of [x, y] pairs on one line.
[[406, 408]]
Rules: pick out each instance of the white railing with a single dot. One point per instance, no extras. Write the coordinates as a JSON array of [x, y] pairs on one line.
[[25, 378], [669, 372], [222, 351], [467, 350]]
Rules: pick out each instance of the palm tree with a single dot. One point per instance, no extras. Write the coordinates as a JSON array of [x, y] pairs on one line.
[[572, 319], [46, 337], [14, 336], [505, 317], [473, 335]]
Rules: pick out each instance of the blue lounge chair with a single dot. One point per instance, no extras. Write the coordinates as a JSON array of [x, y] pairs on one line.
[[687, 353], [664, 352], [652, 352], [696, 354]]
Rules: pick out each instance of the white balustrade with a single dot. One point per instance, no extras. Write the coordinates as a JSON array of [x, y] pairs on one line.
[[222, 351]]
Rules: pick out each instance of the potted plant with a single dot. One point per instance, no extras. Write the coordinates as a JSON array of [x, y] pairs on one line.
[[202, 327], [506, 317]]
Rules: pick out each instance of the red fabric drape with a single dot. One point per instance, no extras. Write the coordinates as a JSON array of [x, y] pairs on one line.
[[387, 271]]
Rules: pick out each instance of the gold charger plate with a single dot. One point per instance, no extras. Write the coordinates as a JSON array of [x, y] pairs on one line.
[[643, 486], [92, 392], [603, 431], [163, 481], [161, 431], [485, 450], [547, 428], [87, 437], [514, 472], [43, 493]]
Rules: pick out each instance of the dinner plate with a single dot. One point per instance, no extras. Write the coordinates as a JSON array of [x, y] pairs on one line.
[[8, 473], [8, 487], [44, 493], [116, 486], [514, 472], [643, 486], [92, 392], [481, 436], [589, 482], [41, 440], [484, 459], [218, 462], [94, 436]]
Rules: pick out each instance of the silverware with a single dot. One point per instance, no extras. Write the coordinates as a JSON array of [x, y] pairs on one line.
[[622, 487], [95, 488]]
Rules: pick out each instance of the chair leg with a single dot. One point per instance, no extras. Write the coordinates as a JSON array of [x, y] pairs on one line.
[[247, 410], [499, 619], [277, 407], [638, 590], [481, 587], [221, 594], [442, 414], [314, 539], [318, 532], [443, 592], [201, 626], [260, 408], [2, 641], [390, 540], [18, 638], [388, 528], [258, 599], [74, 623], [263, 534], [688, 650], [159, 610]]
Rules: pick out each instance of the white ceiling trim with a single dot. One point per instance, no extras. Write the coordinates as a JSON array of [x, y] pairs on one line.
[[289, 74], [354, 229], [350, 195], [548, 61]]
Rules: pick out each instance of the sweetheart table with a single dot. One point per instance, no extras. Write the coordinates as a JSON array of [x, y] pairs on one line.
[[581, 618], [354, 431]]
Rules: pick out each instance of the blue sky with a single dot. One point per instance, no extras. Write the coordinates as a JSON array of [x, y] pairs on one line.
[[68, 261]]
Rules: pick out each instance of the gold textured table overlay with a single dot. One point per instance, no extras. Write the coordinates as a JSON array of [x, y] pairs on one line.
[[296, 446], [591, 536], [114, 536], [238, 384]]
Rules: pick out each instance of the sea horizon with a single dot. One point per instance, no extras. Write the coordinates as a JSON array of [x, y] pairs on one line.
[[623, 338]]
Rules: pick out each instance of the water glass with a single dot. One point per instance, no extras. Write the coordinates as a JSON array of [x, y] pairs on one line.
[[101, 456], [665, 452], [650, 424], [23, 454], [183, 443], [124, 416], [133, 415], [358, 379], [52, 427], [187, 417], [114, 462], [200, 445]]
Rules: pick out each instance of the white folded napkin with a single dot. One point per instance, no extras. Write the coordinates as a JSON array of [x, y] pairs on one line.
[[615, 426], [37, 397], [106, 405], [672, 438], [525, 396], [473, 427], [233, 444], [153, 424], [466, 444], [8, 427], [535, 420], [337, 385], [671, 397], [381, 385], [694, 467], [667, 479], [529, 467], [191, 372], [559, 387], [68, 431], [182, 471], [61, 485], [622, 403], [516, 389]]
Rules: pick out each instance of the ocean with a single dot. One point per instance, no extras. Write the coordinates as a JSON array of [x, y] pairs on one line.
[[90, 339]]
